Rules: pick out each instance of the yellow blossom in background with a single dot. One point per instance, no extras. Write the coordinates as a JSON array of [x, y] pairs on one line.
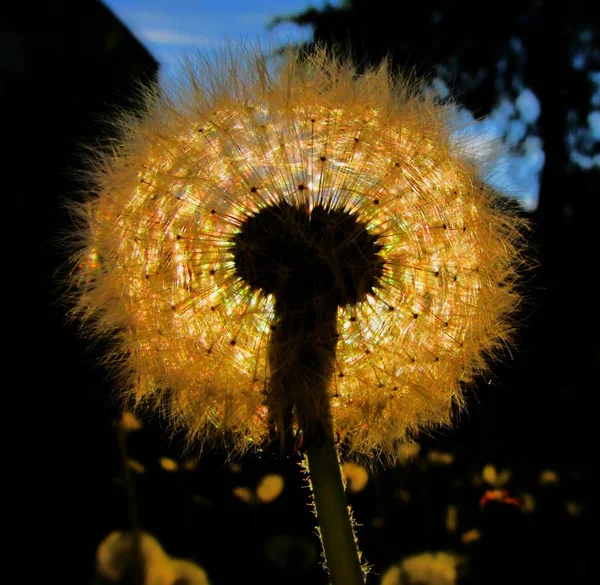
[[494, 477], [423, 278], [168, 464], [244, 494], [129, 422], [392, 576], [469, 536], [136, 466], [548, 477], [451, 518], [528, 503], [439, 458], [432, 568], [190, 464], [356, 476], [189, 573], [403, 495], [408, 452], [119, 551], [269, 488], [573, 508], [438, 568]]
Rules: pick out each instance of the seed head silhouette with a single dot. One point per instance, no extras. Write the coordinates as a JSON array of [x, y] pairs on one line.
[[295, 253]]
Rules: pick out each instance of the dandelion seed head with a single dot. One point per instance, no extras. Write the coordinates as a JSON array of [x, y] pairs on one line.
[[254, 184]]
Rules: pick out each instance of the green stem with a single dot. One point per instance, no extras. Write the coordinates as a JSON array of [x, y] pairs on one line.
[[337, 535]]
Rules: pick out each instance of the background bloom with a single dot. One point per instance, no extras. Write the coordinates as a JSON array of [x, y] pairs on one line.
[[439, 568], [160, 267], [119, 552]]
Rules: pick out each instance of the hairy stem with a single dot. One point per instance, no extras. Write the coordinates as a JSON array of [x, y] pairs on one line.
[[337, 535]]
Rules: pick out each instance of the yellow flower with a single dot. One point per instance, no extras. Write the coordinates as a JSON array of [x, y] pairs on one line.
[[269, 488], [119, 552], [356, 476], [255, 190]]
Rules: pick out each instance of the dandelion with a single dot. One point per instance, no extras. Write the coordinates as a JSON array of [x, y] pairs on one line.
[[262, 207], [296, 254]]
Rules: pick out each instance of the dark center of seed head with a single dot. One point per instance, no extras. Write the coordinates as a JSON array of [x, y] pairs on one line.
[[302, 258]]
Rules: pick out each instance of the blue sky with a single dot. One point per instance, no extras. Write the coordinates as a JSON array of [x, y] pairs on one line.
[[171, 28]]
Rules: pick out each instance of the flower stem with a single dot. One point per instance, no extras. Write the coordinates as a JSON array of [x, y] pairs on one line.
[[302, 359], [337, 536]]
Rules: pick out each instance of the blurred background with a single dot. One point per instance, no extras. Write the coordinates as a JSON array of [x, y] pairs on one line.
[[508, 492]]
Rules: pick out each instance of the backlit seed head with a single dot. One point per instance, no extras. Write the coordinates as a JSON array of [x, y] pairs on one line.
[[297, 185]]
